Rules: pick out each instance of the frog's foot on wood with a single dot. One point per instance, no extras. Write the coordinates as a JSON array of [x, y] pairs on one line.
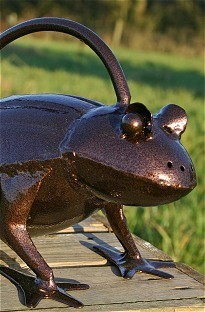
[[128, 265], [34, 289]]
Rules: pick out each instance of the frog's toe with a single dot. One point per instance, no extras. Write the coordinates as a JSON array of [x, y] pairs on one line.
[[61, 296], [33, 290], [128, 266], [25, 285], [72, 286], [161, 264], [148, 266]]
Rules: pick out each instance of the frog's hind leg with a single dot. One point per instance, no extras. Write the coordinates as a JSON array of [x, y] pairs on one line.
[[130, 261], [19, 193]]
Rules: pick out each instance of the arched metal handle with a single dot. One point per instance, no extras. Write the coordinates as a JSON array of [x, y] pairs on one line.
[[83, 33]]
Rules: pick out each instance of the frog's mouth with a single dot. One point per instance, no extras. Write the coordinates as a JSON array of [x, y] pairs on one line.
[[125, 188], [144, 195]]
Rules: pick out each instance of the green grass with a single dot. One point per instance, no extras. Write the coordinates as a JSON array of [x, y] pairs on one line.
[[155, 79]]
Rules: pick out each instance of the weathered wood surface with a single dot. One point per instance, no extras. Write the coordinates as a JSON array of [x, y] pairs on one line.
[[70, 254]]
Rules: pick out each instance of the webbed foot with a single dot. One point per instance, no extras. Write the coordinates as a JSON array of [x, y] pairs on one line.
[[34, 289], [128, 266]]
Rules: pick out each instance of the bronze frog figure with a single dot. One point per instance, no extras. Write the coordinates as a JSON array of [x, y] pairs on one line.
[[65, 157]]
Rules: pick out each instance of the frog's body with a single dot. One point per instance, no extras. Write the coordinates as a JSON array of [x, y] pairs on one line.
[[60, 202], [64, 157], [45, 118], [28, 122]]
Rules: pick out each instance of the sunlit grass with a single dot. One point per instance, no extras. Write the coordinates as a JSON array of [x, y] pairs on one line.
[[155, 79]]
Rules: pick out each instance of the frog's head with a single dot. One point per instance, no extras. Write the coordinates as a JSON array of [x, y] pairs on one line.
[[131, 157]]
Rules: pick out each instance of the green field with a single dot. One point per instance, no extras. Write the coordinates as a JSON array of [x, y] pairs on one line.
[[155, 79]]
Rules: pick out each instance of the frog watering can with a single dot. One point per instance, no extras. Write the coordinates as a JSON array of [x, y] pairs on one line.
[[65, 157]]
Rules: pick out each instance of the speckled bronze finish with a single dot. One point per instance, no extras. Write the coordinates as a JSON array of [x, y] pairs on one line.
[[65, 157]]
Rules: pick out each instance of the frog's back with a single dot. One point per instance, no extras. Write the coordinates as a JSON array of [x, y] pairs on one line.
[[33, 126]]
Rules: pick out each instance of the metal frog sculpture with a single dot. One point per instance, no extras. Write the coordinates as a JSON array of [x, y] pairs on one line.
[[65, 157]]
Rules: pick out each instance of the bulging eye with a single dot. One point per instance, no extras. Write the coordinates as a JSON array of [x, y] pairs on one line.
[[133, 124]]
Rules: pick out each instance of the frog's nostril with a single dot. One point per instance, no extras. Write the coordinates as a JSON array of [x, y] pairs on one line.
[[169, 164], [182, 168]]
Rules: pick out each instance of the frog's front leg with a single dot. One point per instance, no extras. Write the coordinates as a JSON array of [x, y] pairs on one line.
[[130, 261], [19, 193]]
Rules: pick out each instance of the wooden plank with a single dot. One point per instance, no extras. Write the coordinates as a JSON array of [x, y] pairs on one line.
[[128, 308], [99, 223], [197, 307], [147, 247], [91, 225], [71, 256], [107, 288], [181, 305], [73, 250], [191, 272], [189, 306]]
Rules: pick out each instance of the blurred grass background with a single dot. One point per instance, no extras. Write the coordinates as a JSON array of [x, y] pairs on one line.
[[159, 71]]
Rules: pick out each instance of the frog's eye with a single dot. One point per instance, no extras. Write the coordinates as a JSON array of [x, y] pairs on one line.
[[133, 124], [173, 119]]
